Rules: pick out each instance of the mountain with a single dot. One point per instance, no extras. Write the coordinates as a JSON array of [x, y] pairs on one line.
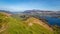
[[42, 13], [31, 25], [6, 11]]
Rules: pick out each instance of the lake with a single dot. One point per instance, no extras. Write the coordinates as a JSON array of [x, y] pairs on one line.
[[52, 20]]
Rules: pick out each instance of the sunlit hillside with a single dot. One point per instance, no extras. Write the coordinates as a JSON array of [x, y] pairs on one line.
[[17, 26]]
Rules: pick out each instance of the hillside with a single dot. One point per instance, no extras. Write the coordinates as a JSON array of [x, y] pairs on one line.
[[44, 24], [29, 26], [4, 19], [16, 26], [19, 27]]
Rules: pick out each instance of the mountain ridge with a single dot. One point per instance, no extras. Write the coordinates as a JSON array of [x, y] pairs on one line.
[[40, 22]]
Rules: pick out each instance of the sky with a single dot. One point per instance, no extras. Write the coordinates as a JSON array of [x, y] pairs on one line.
[[21, 5]]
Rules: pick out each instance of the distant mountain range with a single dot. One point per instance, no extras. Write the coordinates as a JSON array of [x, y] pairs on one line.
[[42, 13], [5, 11], [33, 12]]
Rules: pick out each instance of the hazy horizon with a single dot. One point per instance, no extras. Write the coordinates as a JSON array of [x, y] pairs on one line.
[[21, 5]]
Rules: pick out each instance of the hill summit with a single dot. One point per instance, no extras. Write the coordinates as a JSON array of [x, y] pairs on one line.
[[42, 23]]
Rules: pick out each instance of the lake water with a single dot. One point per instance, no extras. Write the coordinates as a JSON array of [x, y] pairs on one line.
[[52, 20]]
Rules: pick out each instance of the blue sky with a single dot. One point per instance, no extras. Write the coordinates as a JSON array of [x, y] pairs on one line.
[[21, 5]]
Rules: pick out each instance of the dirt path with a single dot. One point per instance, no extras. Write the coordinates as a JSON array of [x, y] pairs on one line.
[[4, 27]]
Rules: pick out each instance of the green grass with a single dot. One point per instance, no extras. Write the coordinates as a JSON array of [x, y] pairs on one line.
[[17, 26]]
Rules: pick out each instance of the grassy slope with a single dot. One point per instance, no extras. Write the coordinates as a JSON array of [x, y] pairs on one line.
[[16, 26], [19, 27]]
